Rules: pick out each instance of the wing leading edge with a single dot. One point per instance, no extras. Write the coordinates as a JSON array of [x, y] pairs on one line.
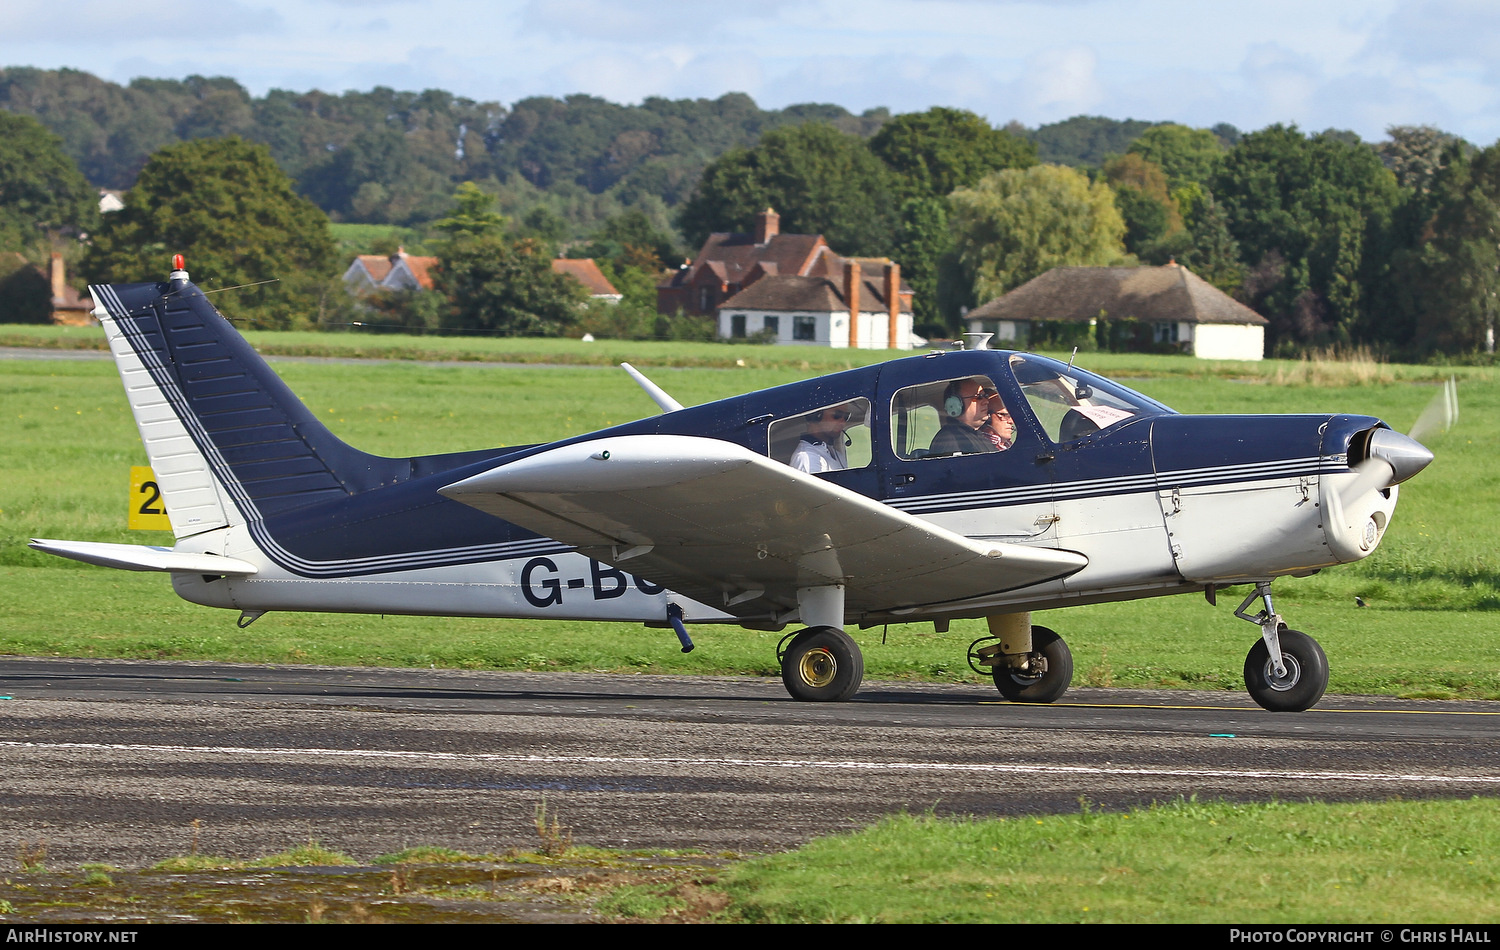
[[719, 523]]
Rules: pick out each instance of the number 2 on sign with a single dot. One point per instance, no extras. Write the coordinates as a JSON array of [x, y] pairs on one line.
[[147, 512]]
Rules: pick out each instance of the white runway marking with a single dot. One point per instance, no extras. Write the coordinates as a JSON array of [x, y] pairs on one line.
[[484, 758]]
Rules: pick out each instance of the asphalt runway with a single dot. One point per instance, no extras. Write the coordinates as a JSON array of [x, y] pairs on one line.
[[113, 761]]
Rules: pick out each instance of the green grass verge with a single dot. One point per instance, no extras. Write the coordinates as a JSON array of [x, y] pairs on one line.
[[732, 355], [1432, 587], [1189, 862]]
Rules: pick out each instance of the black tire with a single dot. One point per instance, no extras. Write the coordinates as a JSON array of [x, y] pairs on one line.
[[1306, 673], [1052, 662], [822, 665]]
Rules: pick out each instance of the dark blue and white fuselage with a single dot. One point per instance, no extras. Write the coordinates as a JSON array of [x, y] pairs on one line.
[[1103, 495]]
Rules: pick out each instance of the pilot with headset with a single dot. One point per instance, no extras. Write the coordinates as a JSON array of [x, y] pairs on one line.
[[821, 448], [966, 411]]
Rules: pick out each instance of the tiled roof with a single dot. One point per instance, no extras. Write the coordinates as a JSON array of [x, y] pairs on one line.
[[732, 256], [587, 273], [1169, 294], [376, 265], [421, 269], [379, 267], [815, 294]]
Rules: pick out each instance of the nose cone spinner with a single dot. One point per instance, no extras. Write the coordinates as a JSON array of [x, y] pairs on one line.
[[1405, 455]]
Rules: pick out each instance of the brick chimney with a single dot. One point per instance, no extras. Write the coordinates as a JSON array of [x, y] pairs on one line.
[[59, 277], [767, 226], [893, 300], [852, 282]]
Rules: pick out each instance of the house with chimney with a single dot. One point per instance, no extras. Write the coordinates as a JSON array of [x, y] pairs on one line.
[[863, 305], [29, 294], [399, 271], [730, 262], [792, 288]]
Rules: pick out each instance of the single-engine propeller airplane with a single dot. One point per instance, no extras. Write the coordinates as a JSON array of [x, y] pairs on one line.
[[959, 484]]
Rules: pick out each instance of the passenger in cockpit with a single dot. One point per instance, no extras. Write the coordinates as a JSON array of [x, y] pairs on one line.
[[821, 448], [966, 409], [1001, 427]]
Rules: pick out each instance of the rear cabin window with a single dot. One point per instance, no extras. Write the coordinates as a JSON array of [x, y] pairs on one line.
[[827, 439]]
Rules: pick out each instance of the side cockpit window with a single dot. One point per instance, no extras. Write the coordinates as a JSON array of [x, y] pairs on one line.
[[964, 416], [828, 439]]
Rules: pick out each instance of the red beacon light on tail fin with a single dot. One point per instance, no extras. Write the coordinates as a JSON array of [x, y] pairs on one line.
[[179, 269]]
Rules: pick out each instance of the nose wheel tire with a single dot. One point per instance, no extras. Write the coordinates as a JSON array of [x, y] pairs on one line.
[[1304, 681], [822, 665], [1049, 671]]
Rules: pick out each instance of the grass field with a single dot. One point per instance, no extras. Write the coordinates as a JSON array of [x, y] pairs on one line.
[[1432, 588], [1430, 630], [1186, 862]]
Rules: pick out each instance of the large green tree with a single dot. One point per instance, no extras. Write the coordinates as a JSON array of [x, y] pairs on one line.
[[820, 180], [1086, 140], [1017, 224], [1324, 204], [42, 192], [924, 249], [934, 152], [496, 282], [1154, 229], [1185, 154], [225, 205], [1446, 284]]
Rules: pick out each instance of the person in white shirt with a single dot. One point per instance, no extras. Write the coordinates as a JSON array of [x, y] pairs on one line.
[[821, 448]]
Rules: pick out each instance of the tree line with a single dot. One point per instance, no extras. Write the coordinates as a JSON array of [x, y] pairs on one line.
[[1335, 240]]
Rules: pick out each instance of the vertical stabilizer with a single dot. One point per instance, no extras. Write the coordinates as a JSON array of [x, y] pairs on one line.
[[190, 493], [229, 442]]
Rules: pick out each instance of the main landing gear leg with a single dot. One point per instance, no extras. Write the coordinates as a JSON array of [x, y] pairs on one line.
[[1030, 664], [1286, 670], [822, 663]]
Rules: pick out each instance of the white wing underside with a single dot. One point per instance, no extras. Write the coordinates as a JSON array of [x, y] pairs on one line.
[[733, 529]]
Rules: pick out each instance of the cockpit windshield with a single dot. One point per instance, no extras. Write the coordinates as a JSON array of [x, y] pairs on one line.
[[1071, 403]]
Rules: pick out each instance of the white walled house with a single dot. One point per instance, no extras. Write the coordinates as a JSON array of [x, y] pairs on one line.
[[1177, 307], [860, 311]]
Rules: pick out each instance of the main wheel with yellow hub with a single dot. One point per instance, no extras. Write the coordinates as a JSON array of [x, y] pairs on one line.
[[822, 665]]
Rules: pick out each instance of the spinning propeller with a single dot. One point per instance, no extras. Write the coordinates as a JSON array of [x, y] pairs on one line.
[[1391, 458]]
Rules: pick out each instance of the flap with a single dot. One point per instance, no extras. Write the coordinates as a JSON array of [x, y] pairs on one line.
[[728, 527]]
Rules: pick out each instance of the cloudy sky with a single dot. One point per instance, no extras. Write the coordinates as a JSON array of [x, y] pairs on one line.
[[1352, 64]]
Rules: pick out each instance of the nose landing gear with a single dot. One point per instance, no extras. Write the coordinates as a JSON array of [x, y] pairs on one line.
[[1286, 670]]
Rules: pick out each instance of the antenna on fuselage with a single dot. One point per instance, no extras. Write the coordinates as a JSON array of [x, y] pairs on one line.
[[1072, 358], [657, 394]]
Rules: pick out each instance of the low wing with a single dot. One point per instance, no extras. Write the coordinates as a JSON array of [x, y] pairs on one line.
[[719, 523]]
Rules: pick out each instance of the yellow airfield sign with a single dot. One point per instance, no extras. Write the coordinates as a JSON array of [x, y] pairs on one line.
[[147, 512]]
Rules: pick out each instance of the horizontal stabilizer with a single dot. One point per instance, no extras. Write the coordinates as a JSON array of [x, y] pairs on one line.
[[142, 557]]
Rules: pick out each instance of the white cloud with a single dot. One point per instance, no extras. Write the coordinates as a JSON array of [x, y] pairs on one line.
[[1442, 32], [81, 22], [1060, 82], [637, 20], [1361, 64]]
